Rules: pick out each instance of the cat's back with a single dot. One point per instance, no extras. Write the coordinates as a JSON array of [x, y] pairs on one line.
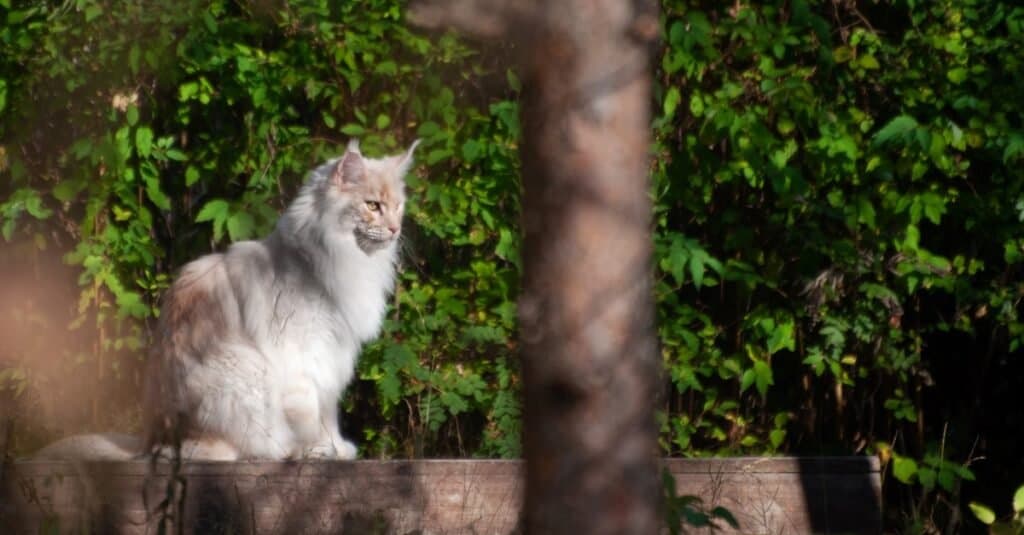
[[196, 309], [211, 287]]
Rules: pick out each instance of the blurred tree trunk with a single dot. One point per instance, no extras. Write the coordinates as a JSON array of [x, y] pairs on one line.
[[586, 312]]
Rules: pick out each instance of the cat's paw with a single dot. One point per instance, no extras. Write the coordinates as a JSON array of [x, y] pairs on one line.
[[345, 451]]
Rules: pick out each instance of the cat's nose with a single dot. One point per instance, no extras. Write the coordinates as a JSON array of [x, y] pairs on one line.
[[393, 229]]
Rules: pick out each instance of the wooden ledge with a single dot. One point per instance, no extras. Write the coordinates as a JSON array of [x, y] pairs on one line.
[[766, 494]]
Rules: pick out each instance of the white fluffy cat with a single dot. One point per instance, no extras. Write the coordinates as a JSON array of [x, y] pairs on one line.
[[255, 345]]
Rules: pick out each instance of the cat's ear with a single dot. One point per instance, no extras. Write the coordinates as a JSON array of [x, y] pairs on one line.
[[350, 168], [405, 160]]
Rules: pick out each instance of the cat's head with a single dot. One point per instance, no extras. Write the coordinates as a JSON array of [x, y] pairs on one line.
[[371, 192]]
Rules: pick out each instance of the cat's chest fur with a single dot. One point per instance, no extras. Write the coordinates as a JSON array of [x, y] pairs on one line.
[[314, 317]]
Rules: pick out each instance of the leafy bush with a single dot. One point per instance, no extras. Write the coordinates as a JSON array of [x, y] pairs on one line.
[[838, 228], [840, 208]]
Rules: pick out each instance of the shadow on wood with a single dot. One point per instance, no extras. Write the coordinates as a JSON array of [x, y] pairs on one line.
[[787, 495], [841, 492], [767, 495]]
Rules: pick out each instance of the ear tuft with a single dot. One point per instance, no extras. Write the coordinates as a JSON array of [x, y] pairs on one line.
[[405, 161]]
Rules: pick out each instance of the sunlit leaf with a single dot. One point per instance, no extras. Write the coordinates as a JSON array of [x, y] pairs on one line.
[[904, 468], [983, 513]]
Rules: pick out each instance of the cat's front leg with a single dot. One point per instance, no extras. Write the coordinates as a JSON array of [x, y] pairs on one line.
[[301, 407], [331, 445], [344, 449], [315, 427]]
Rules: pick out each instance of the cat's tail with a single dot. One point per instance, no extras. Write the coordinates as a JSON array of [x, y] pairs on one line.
[[122, 447], [93, 447]]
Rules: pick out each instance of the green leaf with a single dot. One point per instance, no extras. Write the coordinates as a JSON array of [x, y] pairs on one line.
[[782, 337], [513, 80], [92, 11], [389, 385], [947, 479], [1018, 500], [962, 471], [132, 115], [191, 175], [215, 210], [1014, 148], [785, 125], [842, 54], [696, 106], [387, 68], [240, 226], [455, 403], [677, 259], [175, 155], [983, 513], [187, 91], [209, 22], [865, 212], [437, 155], [8, 229], [67, 190], [747, 379], [927, 478], [898, 128], [933, 205], [34, 205], [134, 58], [672, 99], [868, 61], [957, 75], [697, 269], [400, 356], [143, 141], [155, 194], [763, 376], [471, 150], [904, 468], [353, 129], [506, 249], [328, 119], [428, 129]]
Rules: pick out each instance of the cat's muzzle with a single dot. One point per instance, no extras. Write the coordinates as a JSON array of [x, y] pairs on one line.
[[374, 239]]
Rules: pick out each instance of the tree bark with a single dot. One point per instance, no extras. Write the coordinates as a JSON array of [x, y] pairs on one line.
[[586, 312]]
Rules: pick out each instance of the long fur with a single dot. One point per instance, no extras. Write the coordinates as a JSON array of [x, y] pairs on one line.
[[99, 447], [256, 345]]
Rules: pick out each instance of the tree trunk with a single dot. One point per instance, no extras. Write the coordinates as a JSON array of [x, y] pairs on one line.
[[586, 313]]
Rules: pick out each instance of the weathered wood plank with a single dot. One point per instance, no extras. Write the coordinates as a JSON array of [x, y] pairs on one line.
[[786, 494], [767, 495]]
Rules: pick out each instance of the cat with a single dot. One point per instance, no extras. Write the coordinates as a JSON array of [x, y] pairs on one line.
[[254, 346]]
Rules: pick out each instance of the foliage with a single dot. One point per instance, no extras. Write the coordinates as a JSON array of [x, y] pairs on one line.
[[1014, 525], [839, 217], [839, 225]]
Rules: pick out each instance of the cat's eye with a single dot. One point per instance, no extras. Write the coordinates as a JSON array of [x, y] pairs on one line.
[[374, 206]]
